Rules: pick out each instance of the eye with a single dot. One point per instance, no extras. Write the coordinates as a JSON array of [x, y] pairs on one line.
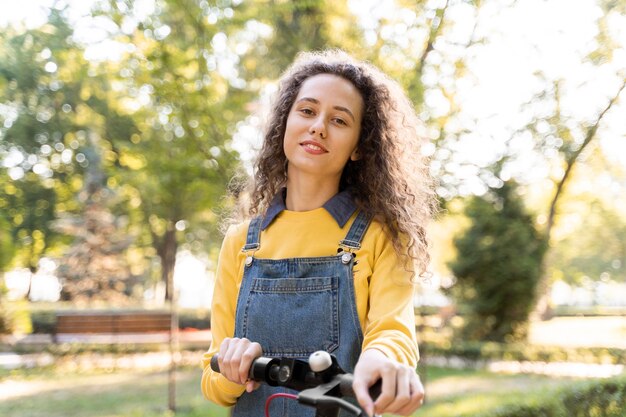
[[340, 121], [306, 111]]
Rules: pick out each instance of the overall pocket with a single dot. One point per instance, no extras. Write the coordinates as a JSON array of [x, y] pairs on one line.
[[293, 317]]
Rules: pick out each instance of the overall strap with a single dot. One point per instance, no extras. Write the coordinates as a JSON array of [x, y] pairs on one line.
[[254, 232], [353, 239]]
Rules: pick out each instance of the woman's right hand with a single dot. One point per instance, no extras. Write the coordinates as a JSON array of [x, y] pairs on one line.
[[235, 358]]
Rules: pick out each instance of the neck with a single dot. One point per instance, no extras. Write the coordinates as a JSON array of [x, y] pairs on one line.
[[305, 193]]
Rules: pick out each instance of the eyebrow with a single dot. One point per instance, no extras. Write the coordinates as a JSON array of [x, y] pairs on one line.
[[340, 108]]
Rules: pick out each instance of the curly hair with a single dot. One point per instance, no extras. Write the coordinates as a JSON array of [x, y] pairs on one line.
[[390, 181]]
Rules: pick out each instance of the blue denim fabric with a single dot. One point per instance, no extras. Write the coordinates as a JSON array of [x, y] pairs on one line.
[[294, 307]]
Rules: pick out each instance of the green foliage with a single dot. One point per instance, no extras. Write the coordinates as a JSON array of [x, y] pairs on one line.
[[14, 317], [594, 248], [497, 267], [194, 319], [519, 352], [301, 25], [44, 321], [50, 117], [7, 247], [31, 206], [605, 398]]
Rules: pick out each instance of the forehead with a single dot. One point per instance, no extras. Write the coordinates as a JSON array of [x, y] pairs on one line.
[[332, 89]]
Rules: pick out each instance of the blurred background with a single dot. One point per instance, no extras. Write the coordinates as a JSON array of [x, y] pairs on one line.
[[123, 124]]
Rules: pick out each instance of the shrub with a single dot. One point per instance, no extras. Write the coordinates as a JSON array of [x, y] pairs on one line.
[[606, 398], [15, 317], [195, 319], [477, 351], [44, 321], [497, 267]]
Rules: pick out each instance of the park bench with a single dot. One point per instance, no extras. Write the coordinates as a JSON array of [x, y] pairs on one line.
[[111, 323]]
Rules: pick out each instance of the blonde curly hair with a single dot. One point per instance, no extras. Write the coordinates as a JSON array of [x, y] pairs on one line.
[[390, 181]]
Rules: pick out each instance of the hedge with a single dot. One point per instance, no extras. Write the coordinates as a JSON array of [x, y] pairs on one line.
[[606, 398], [480, 351]]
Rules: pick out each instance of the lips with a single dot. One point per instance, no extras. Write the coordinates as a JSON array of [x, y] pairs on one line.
[[313, 147]]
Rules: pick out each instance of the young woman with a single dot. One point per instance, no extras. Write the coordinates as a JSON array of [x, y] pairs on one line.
[[338, 209]]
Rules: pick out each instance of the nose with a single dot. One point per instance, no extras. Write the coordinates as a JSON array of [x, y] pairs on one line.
[[318, 128]]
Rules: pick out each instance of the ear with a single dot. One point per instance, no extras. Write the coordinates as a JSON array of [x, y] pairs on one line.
[[355, 155]]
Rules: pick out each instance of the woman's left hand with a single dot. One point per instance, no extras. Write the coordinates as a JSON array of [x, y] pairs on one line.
[[402, 391]]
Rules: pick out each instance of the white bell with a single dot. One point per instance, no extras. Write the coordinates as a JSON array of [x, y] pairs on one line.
[[320, 361]]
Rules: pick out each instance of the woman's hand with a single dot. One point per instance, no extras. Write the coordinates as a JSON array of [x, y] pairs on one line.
[[235, 358], [402, 392]]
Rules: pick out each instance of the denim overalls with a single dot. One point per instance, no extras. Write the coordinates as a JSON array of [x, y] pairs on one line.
[[296, 306]]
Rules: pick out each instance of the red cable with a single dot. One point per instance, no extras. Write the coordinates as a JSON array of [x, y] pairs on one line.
[[277, 395]]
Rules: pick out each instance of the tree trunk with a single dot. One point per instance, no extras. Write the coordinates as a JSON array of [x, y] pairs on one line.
[[32, 270], [167, 252]]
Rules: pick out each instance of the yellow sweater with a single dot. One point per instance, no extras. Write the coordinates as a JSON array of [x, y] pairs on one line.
[[383, 292]]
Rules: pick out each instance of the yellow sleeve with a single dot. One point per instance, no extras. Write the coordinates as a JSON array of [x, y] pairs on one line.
[[390, 323], [215, 387]]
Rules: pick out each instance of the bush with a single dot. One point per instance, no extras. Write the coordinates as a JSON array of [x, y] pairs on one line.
[[497, 267], [606, 398], [522, 410], [44, 321], [194, 319], [477, 351], [15, 317]]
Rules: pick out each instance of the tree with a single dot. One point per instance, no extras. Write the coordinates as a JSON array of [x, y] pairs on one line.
[[180, 159], [94, 267], [51, 104], [497, 266], [589, 241], [570, 150], [293, 27]]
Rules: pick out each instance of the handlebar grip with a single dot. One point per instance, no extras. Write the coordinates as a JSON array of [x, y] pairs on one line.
[[215, 365], [345, 386], [260, 369]]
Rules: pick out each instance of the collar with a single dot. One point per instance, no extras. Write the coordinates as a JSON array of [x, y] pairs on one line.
[[340, 206]]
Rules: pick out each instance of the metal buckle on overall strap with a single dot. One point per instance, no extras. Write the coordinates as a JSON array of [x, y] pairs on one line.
[[346, 249], [250, 250]]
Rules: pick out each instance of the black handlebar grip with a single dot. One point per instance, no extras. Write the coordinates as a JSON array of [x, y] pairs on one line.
[[345, 386], [215, 366], [260, 369]]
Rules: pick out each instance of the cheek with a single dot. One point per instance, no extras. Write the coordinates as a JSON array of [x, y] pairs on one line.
[[290, 127]]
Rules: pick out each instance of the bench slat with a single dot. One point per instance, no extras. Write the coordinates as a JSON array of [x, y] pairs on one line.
[[90, 322]]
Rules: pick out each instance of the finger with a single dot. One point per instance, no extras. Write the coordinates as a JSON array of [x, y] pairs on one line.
[[252, 385], [231, 360], [417, 396], [417, 390], [403, 391], [388, 392], [360, 386], [222, 353], [241, 376], [252, 351]]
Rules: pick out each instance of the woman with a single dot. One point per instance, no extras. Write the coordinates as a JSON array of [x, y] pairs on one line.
[[339, 204]]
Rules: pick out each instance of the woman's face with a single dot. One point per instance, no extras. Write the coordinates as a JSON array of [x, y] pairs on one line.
[[323, 127]]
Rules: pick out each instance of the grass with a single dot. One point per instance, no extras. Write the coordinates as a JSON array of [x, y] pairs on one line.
[[465, 393], [54, 393], [49, 393]]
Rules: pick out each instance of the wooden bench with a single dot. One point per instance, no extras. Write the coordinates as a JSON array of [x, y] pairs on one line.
[[123, 322]]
